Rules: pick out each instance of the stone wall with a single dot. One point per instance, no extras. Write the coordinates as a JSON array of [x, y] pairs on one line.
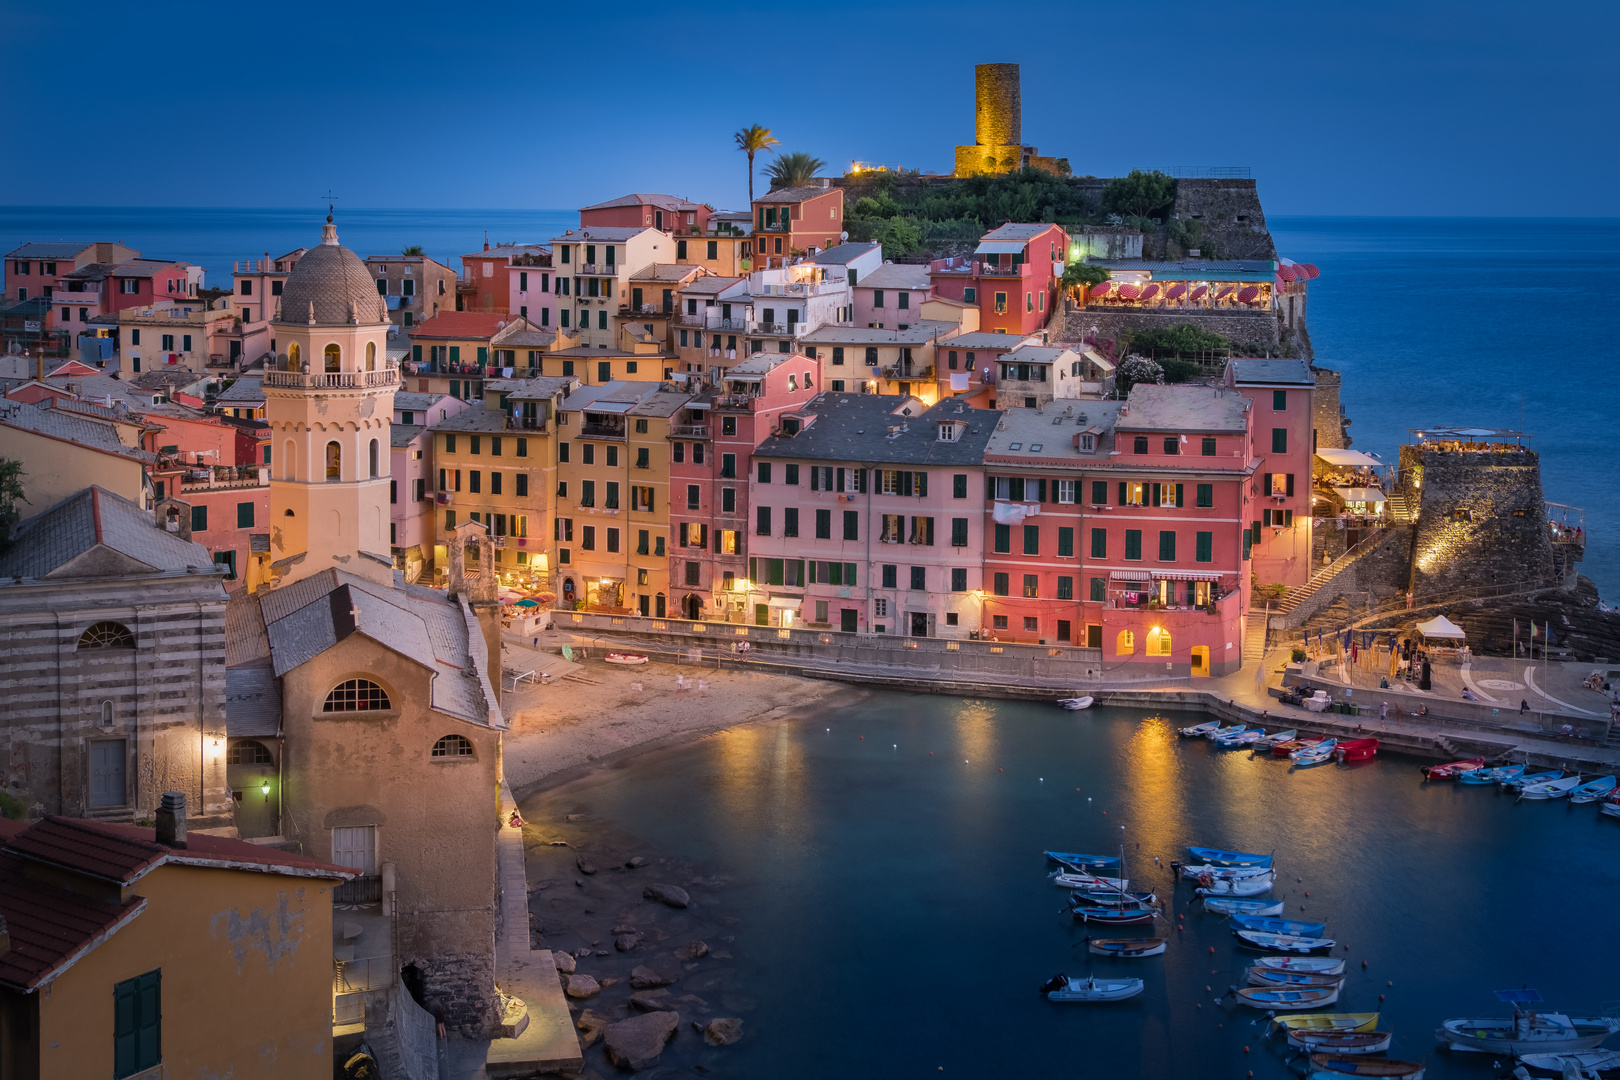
[[1256, 334], [1378, 575], [997, 105], [1231, 215], [1327, 416], [1481, 519], [401, 1035]]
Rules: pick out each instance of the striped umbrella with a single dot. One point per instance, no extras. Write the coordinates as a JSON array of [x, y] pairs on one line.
[[1150, 290], [1100, 290], [1176, 291], [1224, 293], [1310, 269], [1286, 272], [1249, 293], [1129, 291], [1199, 291]]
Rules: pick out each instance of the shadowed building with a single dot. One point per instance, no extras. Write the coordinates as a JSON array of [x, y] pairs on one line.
[[998, 127]]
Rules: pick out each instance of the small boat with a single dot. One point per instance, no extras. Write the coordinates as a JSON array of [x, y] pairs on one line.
[[1552, 789], [1328, 1022], [1251, 886], [1593, 790], [1220, 732], [1526, 779], [1229, 873], [1601, 1064], [1339, 1042], [1316, 965], [1261, 998], [1244, 907], [1242, 738], [1197, 731], [1075, 879], [1314, 755], [1356, 749], [1280, 926], [1289, 943], [626, 658], [1063, 988], [1527, 1030], [1276, 737], [1491, 776], [1450, 770], [1127, 948], [1079, 862], [1283, 749], [1297, 980], [1611, 806], [1074, 704], [1115, 916], [1339, 1065], [1231, 859], [1105, 898]]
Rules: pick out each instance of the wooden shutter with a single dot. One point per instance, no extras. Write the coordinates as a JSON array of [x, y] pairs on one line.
[[840, 480], [1265, 488], [1180, 497], [905, 483], [703, 536], [1040, 489], [989, 486], [922, 488], [684, 527], [929, 531], [1122, 493], [1290, 483]]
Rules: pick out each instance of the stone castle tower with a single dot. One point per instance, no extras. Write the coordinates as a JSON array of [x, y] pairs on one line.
[[998, 127], [329, 400]]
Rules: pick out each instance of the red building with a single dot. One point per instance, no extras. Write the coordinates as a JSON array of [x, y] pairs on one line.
[[796, 221], [666, 213], [486, 282], [1012, 277]]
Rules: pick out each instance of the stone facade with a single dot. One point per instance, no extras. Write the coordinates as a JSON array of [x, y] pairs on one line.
[[1481, 518], [1376, 576], [1257, 334], [998, 127], [1328, 422]]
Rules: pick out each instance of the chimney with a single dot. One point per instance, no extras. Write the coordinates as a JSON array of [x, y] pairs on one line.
[[171, 820]]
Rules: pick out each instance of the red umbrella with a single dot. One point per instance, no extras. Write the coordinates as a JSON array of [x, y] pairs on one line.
[[1286, 272], [1198, 292], [1176, 292], [1150, 290], [1310, 269], [1100, 290], [1224, 293], [1249, 293], [1129, 291]]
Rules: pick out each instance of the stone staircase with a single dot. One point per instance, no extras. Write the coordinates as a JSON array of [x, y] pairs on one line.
[[1254, 636], [1400, 508], [1299, 594]]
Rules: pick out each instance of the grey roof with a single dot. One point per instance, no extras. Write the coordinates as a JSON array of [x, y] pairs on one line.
[[1248, 266], [173, 378], [1039, 354], [667, 402], [855, 427], [1016, 230], [410, 401], [667, 202], [1183, 409], [1046, 436], [667, 272], [895, 276], [758, 364], [1267, 372], [48, 249], [709, 283], [95, 517], [520, 333], [543, 388], [473, 418], [619, 396], [916, 333], [404, 434], [248, 390], [601, 234], [64, 425], [985, 339], [795, 194], [332, 282], [842, 254], [508, 251], [252, 702]]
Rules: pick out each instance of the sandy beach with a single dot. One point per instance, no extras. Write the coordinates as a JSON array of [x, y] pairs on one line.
[[590, 712]]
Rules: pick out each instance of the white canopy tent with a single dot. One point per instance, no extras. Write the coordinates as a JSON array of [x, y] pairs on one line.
[[1441, 627], [1348, 459]]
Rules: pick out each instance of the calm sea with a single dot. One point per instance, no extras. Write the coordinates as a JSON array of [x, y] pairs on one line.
[[1481, 322], [874, 876]]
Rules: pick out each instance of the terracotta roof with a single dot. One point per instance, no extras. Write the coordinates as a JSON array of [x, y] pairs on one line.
[[51, 928], [462, 324], [666, 202]]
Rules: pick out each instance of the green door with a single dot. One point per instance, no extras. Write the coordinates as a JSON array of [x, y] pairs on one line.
[[846, 620], [762, 614]]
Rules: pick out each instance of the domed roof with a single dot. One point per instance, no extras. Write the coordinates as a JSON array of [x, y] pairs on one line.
[[333, 282]]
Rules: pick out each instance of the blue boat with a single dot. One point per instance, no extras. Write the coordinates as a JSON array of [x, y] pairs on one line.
[[1280, 926], [1524, 780], [1499, 775], [1081, 862], [1217, 857], [1224, 905]]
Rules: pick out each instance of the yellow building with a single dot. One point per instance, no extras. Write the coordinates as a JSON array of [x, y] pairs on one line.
[[726, 247], [639, 357], [613, 496], [63, 453], [139, 952], [455, 352]]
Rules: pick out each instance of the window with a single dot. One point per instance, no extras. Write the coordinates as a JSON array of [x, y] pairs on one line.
[[880, 608], [999, 622], [999, 585], [1125, 644], [1133, 544], [334, 461], [852, 524], [522, 480], [248, 752], [1099, 589], [1206, 495], [890, 576], [728, 426], [1279, 440], [138, 1024], [1158, 642], [107, 635], [958, 579], [838, 355], [728, 466], [792, 472], [1001, 303], [1140, 444], [871, 356], [1032, 539], [894, 528], [613, 540], [1032, 585], [693, 574], [762, 521], [728, 500], [587, 493], [959, 532], [1065, 542], [790, 521], [1279, 401], [1172, 445], [475, 481], [199, 519], [823, 524], [1204, 547], [1209, 447], [919, 578], [1167, 546], [453, 746], [959, 486], [610, 500], [356, 695], [1003, 539], [764, 472], [693, 495], [1099, 492]]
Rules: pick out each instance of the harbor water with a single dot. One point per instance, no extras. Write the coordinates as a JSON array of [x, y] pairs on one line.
[[878, 871]]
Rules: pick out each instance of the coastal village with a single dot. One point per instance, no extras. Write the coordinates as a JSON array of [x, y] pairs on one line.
[[299, 571]]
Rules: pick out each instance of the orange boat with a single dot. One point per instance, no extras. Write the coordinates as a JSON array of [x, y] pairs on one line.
[[1283, 749], [1356, 749]]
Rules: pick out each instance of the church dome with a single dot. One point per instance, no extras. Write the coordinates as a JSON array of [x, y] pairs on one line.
[[331, 281]]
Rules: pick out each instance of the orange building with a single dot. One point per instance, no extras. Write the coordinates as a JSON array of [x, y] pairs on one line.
[[794, 221]]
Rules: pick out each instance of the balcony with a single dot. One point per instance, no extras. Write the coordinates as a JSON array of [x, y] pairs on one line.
[[909, 371], [776, 329], [689, 431], [986, 270], [536, 424], [693, 320], [351, 380], [649, 309], [782, 226], [601, 431], [597, 270]]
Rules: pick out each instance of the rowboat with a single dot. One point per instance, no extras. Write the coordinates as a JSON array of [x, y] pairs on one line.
[[1340, 1042], [1231, 859], [1241, 738], [1297, 980], [1289, 943], [1283, 749], [627, 659], [1115, 916], [1328, 1022], [1611, 806], [1524, 780], [1552, 789], [1602, 1064], [1338, 1065], [1279, 926], [1199, 730], [1079, 861], [1491, 776], [1258, 998], [1526, 1031], [1074, 879], [1229, 873], [1275, 738], [1074, 704], [1450, 770], [1221, 732], [1593, 790], [1356, 749], [1316, 965], [1314, 755], [1252, 886], [1063, 988], [1105, 898], [1127, 948], [1244, 907]]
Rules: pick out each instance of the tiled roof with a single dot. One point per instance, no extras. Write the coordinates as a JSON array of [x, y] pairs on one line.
[[248, 390], [96, 517], [59, 424], [332, 282], [601, 234], [896, 276], [245, 639], [461, 324], [667, 272], [49, 249], [1183, 409], [857, 428], [1015, 230], [404, 434], [796, 194], [665, 202], [543, 388], [475, 418], [410, 401], [507, 251], [521, 333], [1046, 436], [915, 333], [1267, 372], [842, 254], [51, 928], [711, 284], [985, 339], [252, 702]]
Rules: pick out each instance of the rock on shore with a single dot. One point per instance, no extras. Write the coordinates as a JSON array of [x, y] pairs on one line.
[[723, 1031], [564, 961], [673, 895], [637, 1042], [581, 986]]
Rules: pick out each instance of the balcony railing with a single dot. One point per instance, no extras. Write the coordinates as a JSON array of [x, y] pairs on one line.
[[598, 270], [527, 423], [987, 270], [690, 431], [909, 371], [601, 431], [783, 225], [647, 309], [335, 379], [775, 328]]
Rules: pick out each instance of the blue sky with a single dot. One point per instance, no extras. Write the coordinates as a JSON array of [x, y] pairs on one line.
[[1372, 108]]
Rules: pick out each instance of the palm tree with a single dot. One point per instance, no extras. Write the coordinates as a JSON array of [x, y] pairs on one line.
[[793, 170], [414, 249], [751, 140]]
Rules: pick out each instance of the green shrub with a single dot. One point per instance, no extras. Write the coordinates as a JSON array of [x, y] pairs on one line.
[[11, 806]]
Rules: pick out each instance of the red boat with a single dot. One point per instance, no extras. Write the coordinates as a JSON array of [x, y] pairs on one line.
[[1450, 771], [1283, 749], [1356, 749]]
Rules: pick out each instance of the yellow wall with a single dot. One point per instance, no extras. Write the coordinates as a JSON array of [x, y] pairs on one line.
[[729, 259], [586, 366], [539, 507], [247, 979], [53, 470]]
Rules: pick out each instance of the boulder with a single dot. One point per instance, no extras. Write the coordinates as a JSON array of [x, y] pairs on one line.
[[624, 930], [636, 1043], [636, 863], [627, 942], [651, 1001], [643, 977], [610, 981], [585, 865], [591, 1026], [673, 895], [581, 986], [723, 1031], [564, 961], [692, 950], [573, 817], [582, 952]]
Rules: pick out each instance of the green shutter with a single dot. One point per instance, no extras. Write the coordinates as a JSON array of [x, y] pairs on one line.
[[1167, 546], [849, 574], [1133, 543], [455, 354], [1205, 551], [922, 484], [1065, 543], [1181, 499], [483, 355], [137, 1024], [416, 353], [1122, 493]]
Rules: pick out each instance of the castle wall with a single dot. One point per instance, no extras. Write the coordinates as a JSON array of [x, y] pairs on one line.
[[1481, 519], [1327, 418], [997, 106], [1258, 334]]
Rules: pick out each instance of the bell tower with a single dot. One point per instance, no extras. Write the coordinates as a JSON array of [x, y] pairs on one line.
[[329, 400]]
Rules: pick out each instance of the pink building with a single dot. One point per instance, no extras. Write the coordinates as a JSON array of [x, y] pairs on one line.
[[666, 213], [711, 463], [410, 500], [529, 281], [891, 296], [1013, 277], [1281, 526]]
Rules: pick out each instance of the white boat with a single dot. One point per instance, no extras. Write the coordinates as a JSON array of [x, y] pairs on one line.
[[1251, 886], [1552, 789], [625, 658], [1285, 943], [1338, 1042], [1526, 1031], [1312, 965], [1063, 988], [1611, 806], [1126, 948], [1274, 739], [1244, 907], [1584, 1064], [1199, 730], [1227, 873], [1241, 738], [1074, 704], [1287, 1000], [1593, 790], [1073, 879]]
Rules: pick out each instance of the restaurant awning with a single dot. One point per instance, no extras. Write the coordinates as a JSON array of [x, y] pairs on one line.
[[1350, 459], [785, 601], [1000, 247], [1441, 627], [1185, 575], [1361, 494]]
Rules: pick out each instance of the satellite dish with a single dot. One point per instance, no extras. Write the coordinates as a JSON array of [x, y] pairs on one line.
[[843, 236]]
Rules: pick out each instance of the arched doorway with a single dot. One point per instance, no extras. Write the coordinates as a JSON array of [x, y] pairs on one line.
[[692, 606]]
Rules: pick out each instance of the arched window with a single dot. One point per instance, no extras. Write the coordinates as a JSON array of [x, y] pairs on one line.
[[107, 713], [248, 752], [289, 455], [107, 635], [374, 462], [334, 358], [371, 356], [356, 695], [453, 746], [334, 461], [1158, 642], [1125, 644], [295, 357]]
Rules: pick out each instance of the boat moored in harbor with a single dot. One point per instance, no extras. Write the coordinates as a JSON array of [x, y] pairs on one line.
[[1062, 988], [1527, 1030]]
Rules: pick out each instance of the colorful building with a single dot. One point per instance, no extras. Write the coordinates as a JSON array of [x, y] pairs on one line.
[[453, 352], [1013, 276], [415, 287], [666, 213], [856, 359], [891, 296], [593, 265], [256, 286], [412, 491], [528, 283], [188, 335], [485, 284], [1284, 441], [793, 222]]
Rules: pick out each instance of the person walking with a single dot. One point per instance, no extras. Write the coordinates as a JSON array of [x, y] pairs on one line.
[[1383, 713]]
